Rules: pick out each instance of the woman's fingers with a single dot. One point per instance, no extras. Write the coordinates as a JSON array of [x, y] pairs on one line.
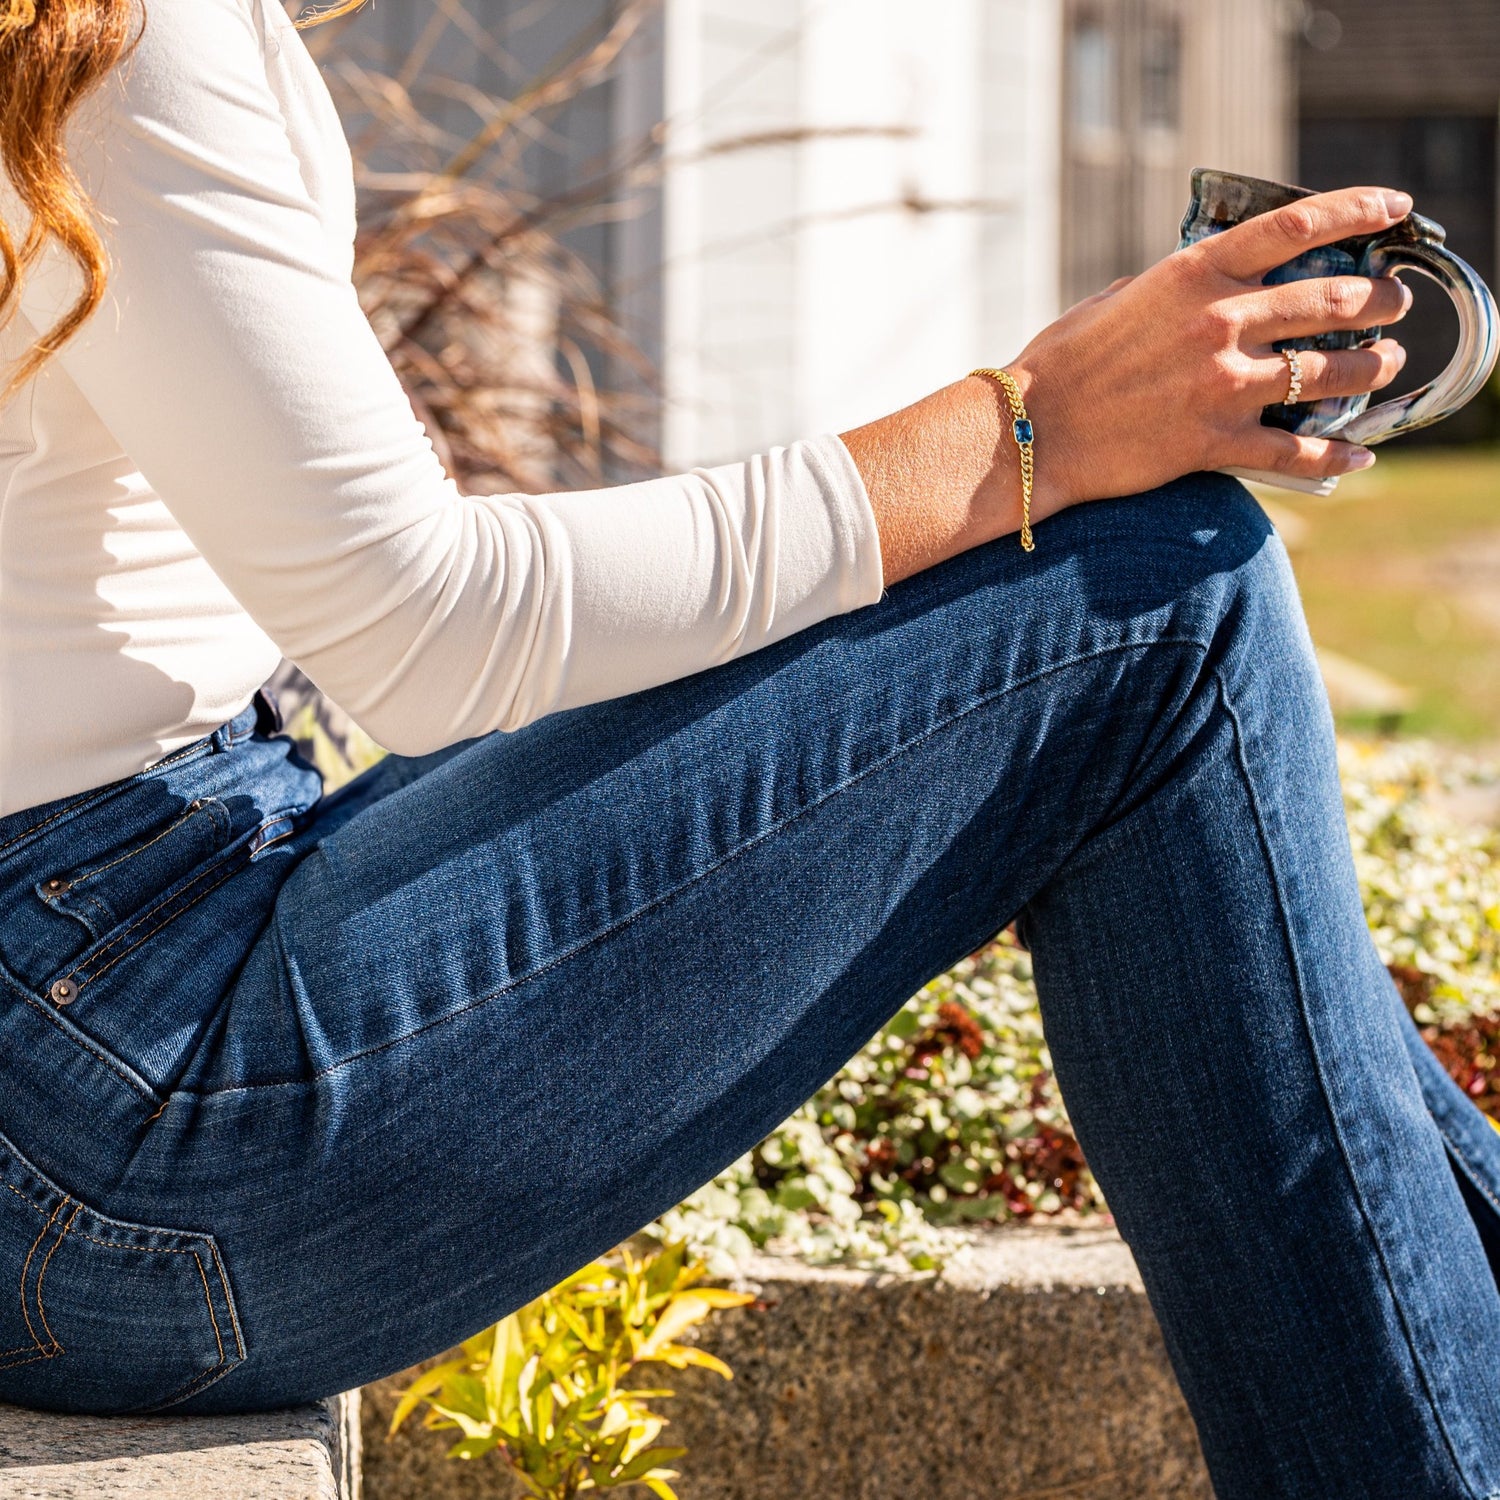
[[1299, 309], [1249, 250], [1270, 449], [1337, 372]]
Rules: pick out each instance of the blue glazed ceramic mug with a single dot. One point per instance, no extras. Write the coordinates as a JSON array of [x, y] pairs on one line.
[[1223, 199]]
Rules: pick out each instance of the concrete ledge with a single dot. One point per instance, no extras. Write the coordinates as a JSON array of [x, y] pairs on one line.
[[1035, 1371], [308, 1453]]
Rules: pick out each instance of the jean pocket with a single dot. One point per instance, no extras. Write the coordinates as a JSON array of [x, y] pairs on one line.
[[101, 894], [100, 1315], [128, 935]]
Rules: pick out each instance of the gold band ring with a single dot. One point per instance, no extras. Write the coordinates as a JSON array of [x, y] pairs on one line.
[[1294, 365]]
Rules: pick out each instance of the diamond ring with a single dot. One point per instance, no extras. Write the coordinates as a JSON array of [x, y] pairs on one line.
[[1294, 365]]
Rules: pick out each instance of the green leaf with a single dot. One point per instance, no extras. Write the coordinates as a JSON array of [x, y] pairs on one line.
[[542, 1418], [688, 1355], [591, 1336], [646, 1460], [474, 1447], [686, 1309], [463, 1394], [425, 1383], [504, 1369], [603, 1460], [665, 1268], [524, 1383], [472, 1426], [595, 1271]]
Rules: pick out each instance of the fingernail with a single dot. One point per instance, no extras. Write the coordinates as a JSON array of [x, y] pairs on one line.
[[1400, 356], [1399, 204], [1361, 458], [1408, 297]]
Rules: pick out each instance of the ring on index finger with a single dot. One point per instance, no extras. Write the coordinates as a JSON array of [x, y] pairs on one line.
[[1294, 367]]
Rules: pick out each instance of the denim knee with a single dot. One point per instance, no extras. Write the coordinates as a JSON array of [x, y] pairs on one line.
[[1191, 557]]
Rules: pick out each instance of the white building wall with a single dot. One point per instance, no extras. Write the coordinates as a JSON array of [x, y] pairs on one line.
[[886, 221], [1020, 253], [729, 265]]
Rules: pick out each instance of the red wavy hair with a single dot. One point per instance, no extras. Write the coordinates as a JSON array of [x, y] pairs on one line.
[[52, 52]]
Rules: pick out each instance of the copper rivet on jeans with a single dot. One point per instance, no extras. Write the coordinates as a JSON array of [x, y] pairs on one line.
[[57, 887], [64, 992]]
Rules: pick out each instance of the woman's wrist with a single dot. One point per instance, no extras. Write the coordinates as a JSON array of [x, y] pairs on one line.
[[943, 475]]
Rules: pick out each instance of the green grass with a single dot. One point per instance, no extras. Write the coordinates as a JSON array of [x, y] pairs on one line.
[[1400, 569]]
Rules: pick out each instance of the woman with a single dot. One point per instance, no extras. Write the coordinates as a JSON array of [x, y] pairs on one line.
[[698, 780]]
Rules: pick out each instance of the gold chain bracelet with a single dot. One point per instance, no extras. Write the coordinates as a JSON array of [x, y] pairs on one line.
[[1025, 436]]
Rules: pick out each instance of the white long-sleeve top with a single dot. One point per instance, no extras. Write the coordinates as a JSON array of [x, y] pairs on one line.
[[222, 468]]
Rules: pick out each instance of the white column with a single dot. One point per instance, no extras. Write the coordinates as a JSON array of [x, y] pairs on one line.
[[1021, 121], [731, 230], [895, 225], [889, 264]]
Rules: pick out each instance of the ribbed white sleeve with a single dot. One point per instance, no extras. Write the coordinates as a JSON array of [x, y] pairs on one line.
[[233, 363]]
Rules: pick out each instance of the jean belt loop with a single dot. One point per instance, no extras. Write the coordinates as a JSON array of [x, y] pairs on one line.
[[240, 727]]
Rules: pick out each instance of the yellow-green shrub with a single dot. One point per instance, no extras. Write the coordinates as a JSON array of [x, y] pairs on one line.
[[543, 1388]]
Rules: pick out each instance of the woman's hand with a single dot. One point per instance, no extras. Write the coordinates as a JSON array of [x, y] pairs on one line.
[[1161, 375], [1166, 373]]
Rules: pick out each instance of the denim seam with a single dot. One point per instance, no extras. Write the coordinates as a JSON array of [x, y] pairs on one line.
[[85, 800], [30, 1357], [889, 757], [166, 921], [27, 1201], [234, 1317], [103, 916], [1418, 1360], [76, 804], [31, 1348], [182, 1393], [41, 1312], [208, 1298], [1476, 1180], [37, 1350], [204, 1377], [41, 1349]]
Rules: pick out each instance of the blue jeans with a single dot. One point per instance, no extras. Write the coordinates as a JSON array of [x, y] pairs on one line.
[[296, 1090]]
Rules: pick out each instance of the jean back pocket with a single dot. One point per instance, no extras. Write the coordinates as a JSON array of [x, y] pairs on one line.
[[101, 1315]]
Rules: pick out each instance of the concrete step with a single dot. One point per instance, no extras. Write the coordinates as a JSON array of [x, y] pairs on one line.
[[308, 1453]]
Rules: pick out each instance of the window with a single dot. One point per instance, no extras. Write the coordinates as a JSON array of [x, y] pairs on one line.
[[1161, 73], [1094, 100]]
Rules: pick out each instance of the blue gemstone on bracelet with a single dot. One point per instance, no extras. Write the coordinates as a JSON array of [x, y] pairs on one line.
[[1024, 433]]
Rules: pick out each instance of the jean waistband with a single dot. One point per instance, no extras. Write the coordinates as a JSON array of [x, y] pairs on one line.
[[262, 713]]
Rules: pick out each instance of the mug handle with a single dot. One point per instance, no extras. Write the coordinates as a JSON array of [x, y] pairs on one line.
[[1478, 344]]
